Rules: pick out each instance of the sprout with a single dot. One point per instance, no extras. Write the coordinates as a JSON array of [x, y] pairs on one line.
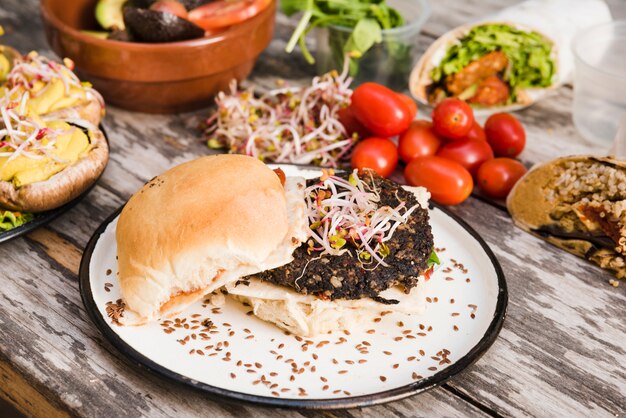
[[286, 125], [343, 213]]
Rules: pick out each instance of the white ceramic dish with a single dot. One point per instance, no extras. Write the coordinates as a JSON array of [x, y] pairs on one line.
[[241, 357]]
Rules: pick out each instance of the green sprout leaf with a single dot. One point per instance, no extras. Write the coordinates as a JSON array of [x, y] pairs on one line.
[[433, 259]]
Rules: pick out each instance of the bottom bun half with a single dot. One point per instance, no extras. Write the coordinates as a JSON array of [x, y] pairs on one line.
[[308, 315]]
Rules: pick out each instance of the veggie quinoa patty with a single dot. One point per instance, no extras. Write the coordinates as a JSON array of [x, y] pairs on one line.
[[343, 276]]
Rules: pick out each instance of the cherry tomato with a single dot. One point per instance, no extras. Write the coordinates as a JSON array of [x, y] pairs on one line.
[[380, 110], [351, 123], [170, 6], [410, 104], [453, 118], [223, 13], [477, 132], [505, 134], [418, 141], [497, 177], [470, 153], [379, 154], [446, 180]]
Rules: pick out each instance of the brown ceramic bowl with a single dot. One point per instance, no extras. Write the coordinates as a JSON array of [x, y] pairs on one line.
[[155, 78]]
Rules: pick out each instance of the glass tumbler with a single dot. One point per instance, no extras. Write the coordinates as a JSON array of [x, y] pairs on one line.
[[389, 62], [600, 80]]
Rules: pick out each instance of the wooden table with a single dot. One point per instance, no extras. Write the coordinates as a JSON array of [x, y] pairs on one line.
[[562, 350]]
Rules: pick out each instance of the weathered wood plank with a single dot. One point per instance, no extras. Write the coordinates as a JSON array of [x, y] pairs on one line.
[[22, 396], [561, 352], [546, 358]]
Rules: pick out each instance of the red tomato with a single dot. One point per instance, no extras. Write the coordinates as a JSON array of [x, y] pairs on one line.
[[447, 181], [497, 177], [453, 118], [470, 153], [410, 104], [351, 123], [379, 154], [223, 13], [505, 134], [380, 110], [418, 141], [170, 6], [477, 132]]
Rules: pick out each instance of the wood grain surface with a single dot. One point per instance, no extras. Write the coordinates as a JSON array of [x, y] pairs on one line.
[[562, 351]]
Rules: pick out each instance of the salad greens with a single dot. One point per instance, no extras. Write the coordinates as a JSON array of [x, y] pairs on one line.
[[529, 55], [368, 18], [10, 220]]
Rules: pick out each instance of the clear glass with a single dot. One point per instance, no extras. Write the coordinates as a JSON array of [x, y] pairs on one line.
[[600, 80], [389, 62]]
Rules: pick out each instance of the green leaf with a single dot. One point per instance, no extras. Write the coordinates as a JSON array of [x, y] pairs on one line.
[[10, 220], [367, 17], [433, 259], [365, 34], [290, 7]]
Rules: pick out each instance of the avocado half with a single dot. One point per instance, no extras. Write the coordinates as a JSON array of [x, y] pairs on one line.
[[153, 26], [109, 14]]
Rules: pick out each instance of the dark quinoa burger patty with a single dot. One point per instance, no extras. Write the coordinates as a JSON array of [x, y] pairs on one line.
[[344, 276]]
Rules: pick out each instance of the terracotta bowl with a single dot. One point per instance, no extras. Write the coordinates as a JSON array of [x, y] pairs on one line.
[[155, 78]]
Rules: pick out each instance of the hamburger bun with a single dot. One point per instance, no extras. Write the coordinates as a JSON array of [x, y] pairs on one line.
[[309, 316], [201, 225], [62, 187]]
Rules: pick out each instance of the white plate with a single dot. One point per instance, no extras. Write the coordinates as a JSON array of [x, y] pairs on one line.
[[245, 358]]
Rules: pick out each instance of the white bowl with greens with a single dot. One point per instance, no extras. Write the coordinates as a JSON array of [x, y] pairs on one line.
[[380, 38]]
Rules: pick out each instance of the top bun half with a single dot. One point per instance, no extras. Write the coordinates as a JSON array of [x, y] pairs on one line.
[[196, 227]]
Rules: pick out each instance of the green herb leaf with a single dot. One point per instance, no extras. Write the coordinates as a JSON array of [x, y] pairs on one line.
[[366, 33], [367, 17], [433, 259]]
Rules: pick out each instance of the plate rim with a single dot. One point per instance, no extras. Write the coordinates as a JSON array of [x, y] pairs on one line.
[[50, 215], [217, 393]]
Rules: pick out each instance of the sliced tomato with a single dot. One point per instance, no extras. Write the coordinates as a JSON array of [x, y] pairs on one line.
[[223, 13]]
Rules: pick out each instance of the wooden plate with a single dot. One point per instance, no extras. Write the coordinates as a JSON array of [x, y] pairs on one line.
[[228, 353]]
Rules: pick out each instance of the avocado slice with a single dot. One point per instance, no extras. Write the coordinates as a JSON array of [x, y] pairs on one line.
[[109, 14], [154, 26]]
